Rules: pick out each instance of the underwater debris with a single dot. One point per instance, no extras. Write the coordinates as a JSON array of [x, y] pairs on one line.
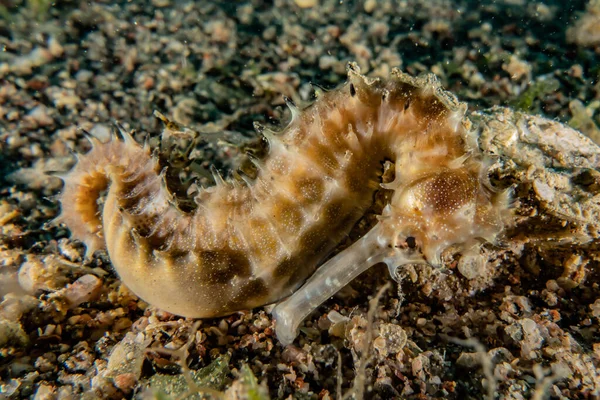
[[536, 90], [586, 32], [582, 120]]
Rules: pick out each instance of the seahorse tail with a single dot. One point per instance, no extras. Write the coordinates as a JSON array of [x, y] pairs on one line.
[[116, 161]]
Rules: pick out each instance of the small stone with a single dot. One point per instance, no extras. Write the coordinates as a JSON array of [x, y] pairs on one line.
[[370, 5], [102, 132], [392, 339], [544, 191], [574, 272], [46, 362], [42, 274], [8, 212], [55, 48], [13, 307], [471, 266], [469, 360], [83, 290], [67, 249], [500, 354], [122, 324], [595, 307], [586, 31], [12, 332], [125, 382], [327, 61], [517, 68], [45, 392], [306, 3], [40, 115], [84, 75], [532, 340], [126, 359], [161, 3], [24, 64]]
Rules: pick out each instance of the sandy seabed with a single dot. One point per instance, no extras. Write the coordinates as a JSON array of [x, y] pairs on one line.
[[525, 326]]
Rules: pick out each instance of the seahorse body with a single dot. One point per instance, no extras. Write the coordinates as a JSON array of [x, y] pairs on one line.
[[250, 245]]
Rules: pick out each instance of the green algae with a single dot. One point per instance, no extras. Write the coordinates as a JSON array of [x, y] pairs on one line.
[[208, 380], [536, 90]]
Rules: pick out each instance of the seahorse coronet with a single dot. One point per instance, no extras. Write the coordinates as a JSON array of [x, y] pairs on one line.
[[252, 242]]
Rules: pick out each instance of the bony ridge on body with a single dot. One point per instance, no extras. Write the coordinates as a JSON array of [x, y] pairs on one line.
[[255, 243]]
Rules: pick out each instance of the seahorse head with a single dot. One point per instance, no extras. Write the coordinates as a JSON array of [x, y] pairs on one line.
[[454, 205]]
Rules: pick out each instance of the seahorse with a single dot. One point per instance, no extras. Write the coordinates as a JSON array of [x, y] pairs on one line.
[[254, 242]]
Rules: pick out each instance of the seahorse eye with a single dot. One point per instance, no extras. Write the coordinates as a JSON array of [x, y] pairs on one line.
[[447, 191], [440, 194]]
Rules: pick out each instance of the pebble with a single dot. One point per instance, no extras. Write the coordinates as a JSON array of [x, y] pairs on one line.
[[517, 68], [40, 115], [38, 274], [24, 65], [11, 332], [370, 5], [83, 290], [306, 3], [45, 392]]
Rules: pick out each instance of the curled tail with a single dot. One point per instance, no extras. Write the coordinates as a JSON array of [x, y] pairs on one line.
[[118, 161]]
